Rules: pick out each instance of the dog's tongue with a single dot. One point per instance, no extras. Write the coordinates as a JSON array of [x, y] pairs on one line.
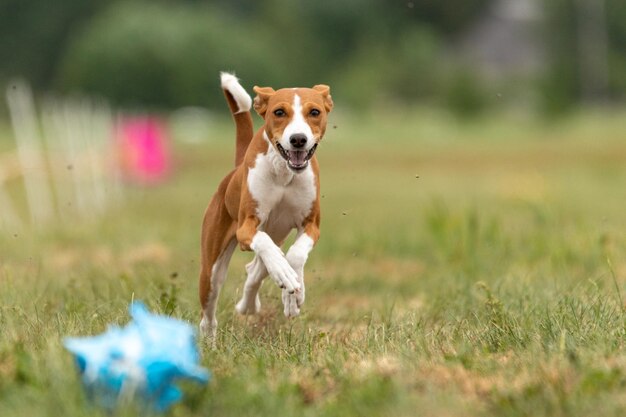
[[297, 158]]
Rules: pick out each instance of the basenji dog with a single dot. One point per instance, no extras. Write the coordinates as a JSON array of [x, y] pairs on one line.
[[273, 189]]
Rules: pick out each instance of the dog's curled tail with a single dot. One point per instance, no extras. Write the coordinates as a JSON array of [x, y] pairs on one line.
[[239, 102]]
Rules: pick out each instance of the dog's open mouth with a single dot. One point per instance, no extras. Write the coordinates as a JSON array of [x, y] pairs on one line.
[[296, 159]]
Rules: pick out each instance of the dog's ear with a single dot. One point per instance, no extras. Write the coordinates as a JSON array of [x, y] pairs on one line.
[[261, 99], [324, 90]]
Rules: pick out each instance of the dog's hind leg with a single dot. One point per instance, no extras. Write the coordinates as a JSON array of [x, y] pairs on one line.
[[208, 324], [250, 302], [218, 244]]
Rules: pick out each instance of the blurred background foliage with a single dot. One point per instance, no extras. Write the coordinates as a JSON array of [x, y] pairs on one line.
[[461, 54]]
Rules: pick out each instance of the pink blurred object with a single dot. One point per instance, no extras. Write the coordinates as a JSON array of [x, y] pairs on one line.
[[144, 152]]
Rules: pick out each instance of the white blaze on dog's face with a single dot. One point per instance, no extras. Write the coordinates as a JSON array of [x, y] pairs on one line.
[[295, 120]]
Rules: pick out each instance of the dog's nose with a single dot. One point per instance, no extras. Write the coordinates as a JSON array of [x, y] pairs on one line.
[[297, 140]]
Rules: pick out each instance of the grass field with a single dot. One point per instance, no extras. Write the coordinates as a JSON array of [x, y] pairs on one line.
[[463, 269]]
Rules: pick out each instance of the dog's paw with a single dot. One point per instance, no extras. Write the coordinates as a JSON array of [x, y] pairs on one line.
[[281, 271], [208, 331], [290, 304], [246, 307]]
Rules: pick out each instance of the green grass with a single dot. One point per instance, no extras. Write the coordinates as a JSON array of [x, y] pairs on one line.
[[463, 269]]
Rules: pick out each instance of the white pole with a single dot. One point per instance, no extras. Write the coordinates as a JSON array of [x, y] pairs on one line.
[[71, 141], [107, 157], [92, 154], [53, 131], [8, 215], [24, 122]]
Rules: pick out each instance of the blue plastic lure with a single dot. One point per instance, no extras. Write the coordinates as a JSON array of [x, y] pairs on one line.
[[141, 360]]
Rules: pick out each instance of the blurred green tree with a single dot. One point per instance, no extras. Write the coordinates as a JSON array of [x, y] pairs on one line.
[[166, 53], [160, 55], [34, 34]]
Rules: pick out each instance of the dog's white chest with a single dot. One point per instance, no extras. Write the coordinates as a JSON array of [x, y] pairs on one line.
[[284, 199]]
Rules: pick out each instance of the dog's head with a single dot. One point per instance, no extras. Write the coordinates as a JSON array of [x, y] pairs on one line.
[[295, 120]]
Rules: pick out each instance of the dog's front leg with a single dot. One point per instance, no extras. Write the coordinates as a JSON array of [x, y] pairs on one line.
[[297, 256], [250, 238]]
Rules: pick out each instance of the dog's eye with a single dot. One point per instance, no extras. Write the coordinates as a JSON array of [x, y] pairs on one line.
[[314, 112], [279, 112]]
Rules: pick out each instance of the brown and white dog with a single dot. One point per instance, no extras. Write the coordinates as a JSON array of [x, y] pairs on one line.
[[273, 189]]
